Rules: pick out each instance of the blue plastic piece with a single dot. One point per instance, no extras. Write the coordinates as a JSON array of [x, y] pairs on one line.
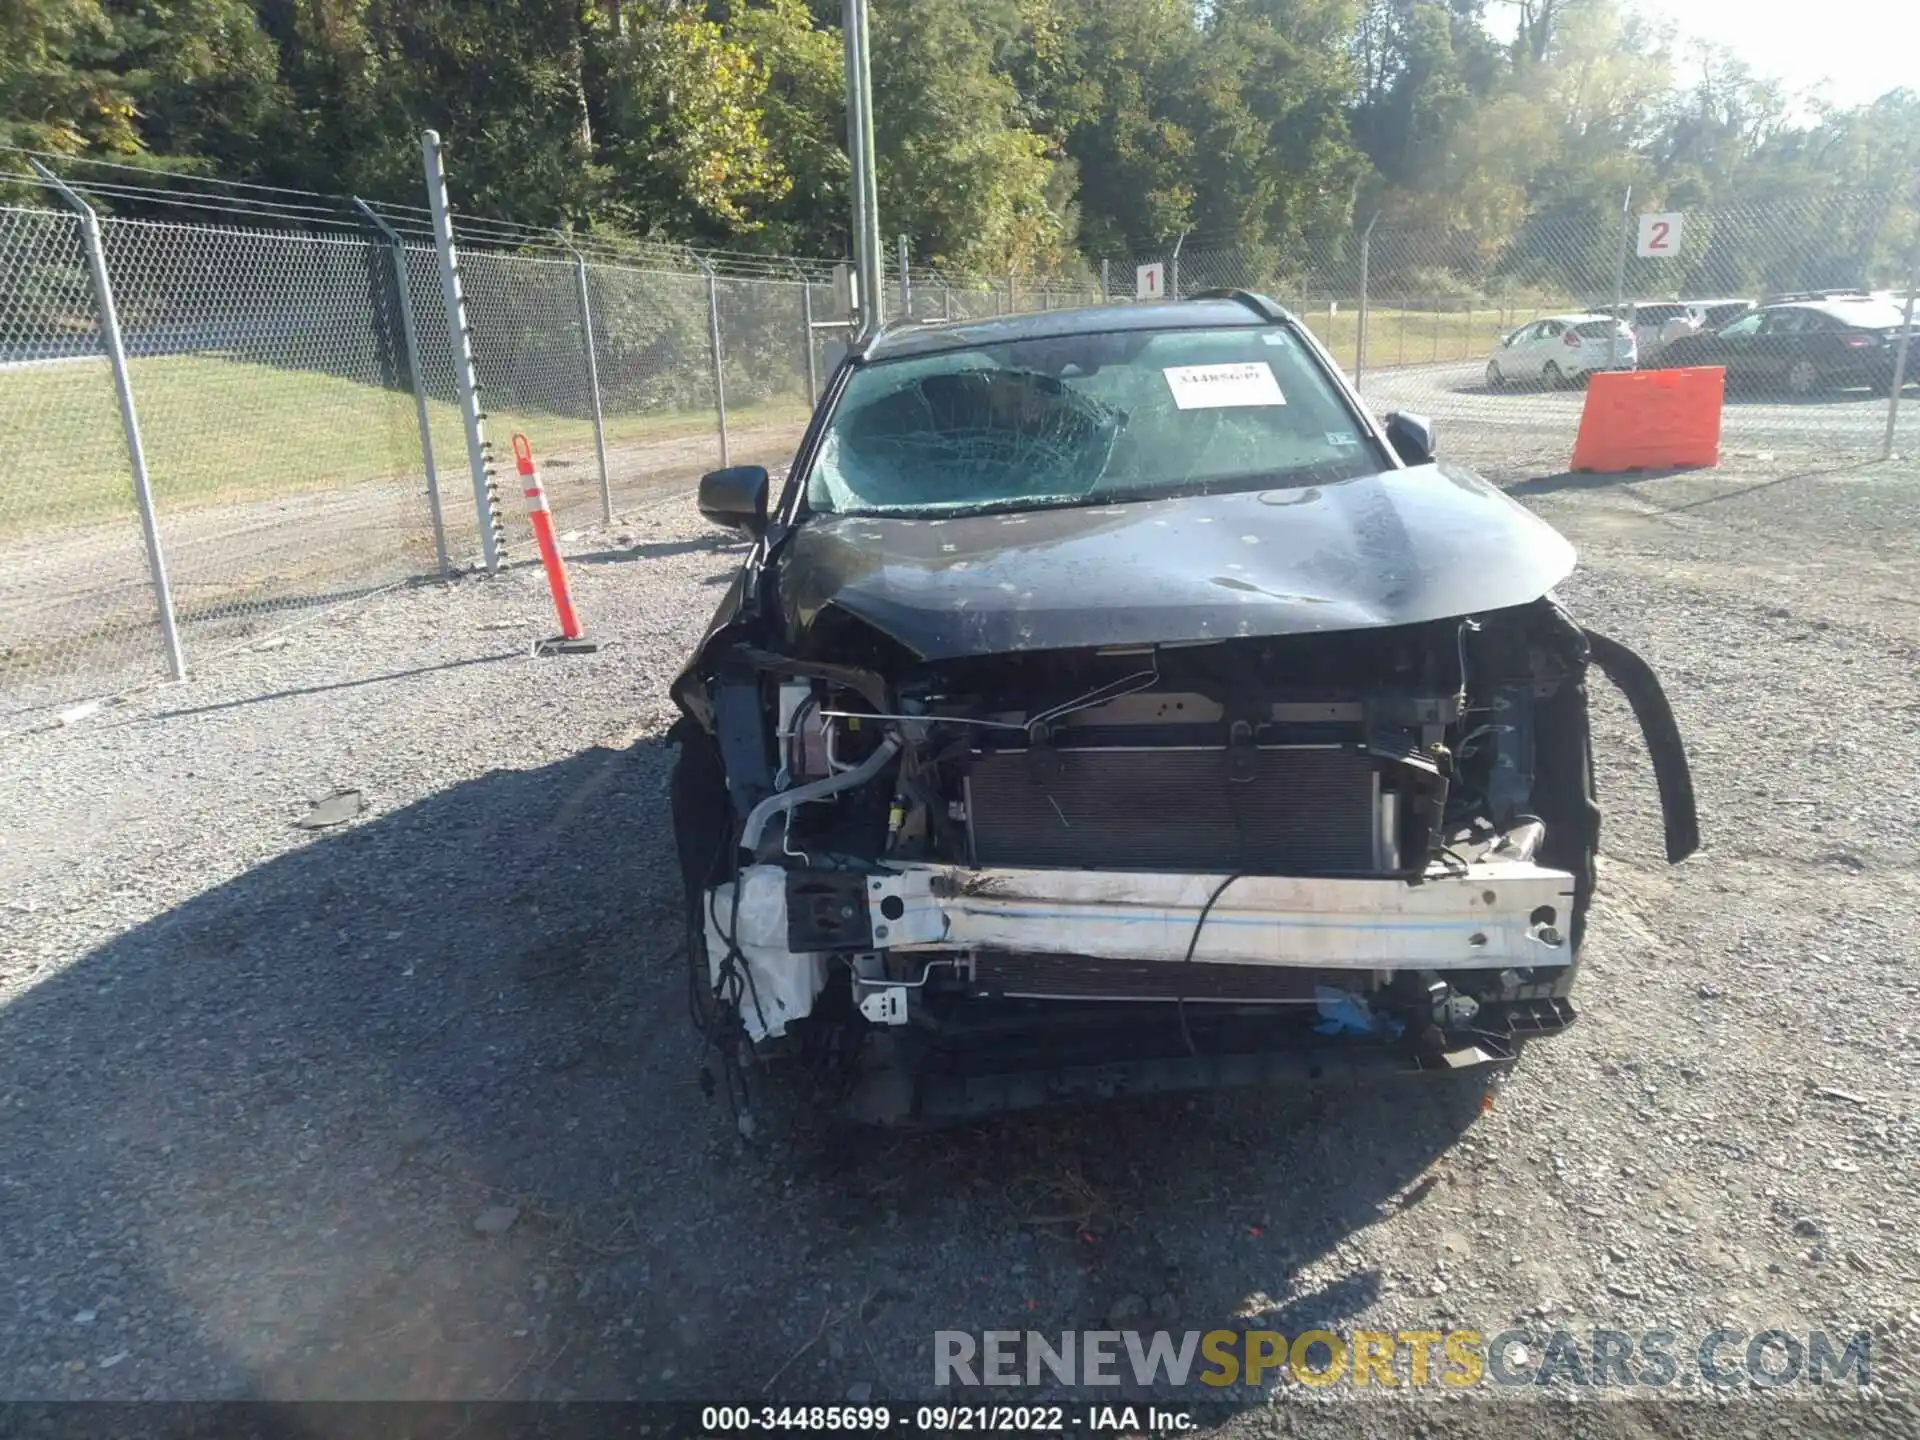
[[1344, 1013]]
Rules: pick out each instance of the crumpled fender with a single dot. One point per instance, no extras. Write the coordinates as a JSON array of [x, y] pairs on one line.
[[1634, 678]]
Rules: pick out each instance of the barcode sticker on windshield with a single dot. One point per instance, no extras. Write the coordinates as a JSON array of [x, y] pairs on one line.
[[1213, 387]]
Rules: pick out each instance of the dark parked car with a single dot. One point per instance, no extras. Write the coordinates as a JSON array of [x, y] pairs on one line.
[[1802, 348], [1107, 703]]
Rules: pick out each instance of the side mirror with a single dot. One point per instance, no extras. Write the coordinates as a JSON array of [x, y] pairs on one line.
[[1411, 437], [736, 497]]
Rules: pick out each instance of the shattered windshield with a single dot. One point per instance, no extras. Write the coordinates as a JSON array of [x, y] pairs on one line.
[[1086, 419]]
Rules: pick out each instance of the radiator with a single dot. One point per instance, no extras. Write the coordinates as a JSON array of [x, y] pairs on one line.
[[1267, 811]]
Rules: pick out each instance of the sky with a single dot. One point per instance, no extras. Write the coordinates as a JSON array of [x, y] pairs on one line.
[[1856, 50], [1852, 50]]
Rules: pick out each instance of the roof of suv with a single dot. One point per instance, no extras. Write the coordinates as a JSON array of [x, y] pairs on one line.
[[1212, 311], [1864, 311]]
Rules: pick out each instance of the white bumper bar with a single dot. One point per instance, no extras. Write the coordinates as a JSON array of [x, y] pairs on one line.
[[1483, 919], [1494, 917]]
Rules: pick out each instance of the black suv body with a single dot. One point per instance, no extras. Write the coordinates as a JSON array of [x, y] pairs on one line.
[[1109, 703], [1803, 348]]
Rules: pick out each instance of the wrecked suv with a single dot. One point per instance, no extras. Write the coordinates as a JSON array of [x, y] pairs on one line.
[[1108, 703]]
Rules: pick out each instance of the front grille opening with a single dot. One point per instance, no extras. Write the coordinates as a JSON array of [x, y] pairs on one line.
[[1272, 810]]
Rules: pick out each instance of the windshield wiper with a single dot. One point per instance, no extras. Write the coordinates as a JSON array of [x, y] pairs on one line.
[[1319, 472], [982, 507]]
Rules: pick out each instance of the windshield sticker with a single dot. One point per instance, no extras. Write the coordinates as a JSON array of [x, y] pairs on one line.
[[1342, 437], [1214, 387]]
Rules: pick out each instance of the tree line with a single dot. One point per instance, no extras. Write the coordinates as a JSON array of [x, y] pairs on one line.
[[1013, 135]]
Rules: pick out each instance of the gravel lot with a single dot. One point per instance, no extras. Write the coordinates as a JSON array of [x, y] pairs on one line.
[[262, 1089], [77, 614], [1819, 427]]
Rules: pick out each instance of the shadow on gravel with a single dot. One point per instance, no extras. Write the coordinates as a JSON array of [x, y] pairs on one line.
[[413, 1110], [656, 549], [391, 675], [1584, 480]]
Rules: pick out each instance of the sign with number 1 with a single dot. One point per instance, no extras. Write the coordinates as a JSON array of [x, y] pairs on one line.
[[1150, 282], [1659, 235]]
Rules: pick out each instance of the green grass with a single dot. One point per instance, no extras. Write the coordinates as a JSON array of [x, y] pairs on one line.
[[1418, 337], [217, 431]]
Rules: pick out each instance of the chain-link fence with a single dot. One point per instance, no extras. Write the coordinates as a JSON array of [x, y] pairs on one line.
[[1802, 304], [295, 388], [76, 598]]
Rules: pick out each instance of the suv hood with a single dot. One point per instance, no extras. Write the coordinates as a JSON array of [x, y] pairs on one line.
[[1393, 548]]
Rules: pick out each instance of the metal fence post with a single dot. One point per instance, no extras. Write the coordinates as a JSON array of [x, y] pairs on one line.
[[1173, 270], [486, 502], [1106, 289], [129, 416], [1620, 281], [397, 248], [1360, 332], [806, 331], [906, 282], [593, 385], [713, 346], [1900, 355]]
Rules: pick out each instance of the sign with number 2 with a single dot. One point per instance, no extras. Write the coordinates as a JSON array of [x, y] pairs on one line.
[[1659, 235]]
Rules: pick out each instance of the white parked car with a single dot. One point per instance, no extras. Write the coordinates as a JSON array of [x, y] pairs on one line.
[[1657, 321], [1692, 317], [1560, 350]]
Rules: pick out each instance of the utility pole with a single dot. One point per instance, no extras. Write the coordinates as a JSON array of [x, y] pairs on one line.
[[867, 255]]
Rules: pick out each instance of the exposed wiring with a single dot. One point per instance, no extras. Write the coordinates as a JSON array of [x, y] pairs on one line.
[[1193, 943], [1467, 624], [1101, 694], [734, 982], [1466, 747], [786, 845]]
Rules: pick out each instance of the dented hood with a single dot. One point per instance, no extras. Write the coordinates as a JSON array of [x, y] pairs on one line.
[[1394, 548]]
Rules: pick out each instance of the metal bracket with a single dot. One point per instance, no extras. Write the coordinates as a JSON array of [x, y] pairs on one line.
[[561, 645], [885, 1007]]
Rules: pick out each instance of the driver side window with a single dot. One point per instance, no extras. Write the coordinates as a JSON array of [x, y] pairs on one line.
[[1746, 325]]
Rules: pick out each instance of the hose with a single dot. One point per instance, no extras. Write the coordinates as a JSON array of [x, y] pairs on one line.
[[762, 814]]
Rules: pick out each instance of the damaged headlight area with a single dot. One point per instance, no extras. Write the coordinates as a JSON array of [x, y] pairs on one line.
[[997, 880]]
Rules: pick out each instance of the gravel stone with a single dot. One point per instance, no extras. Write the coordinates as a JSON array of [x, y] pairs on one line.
[[256, 1082], [496, 1220]]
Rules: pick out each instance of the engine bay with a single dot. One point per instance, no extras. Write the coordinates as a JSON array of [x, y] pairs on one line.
[[1375, 753], [1393, 828]]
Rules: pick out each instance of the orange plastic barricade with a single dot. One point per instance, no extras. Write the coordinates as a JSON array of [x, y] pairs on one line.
[[1651, 419]]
